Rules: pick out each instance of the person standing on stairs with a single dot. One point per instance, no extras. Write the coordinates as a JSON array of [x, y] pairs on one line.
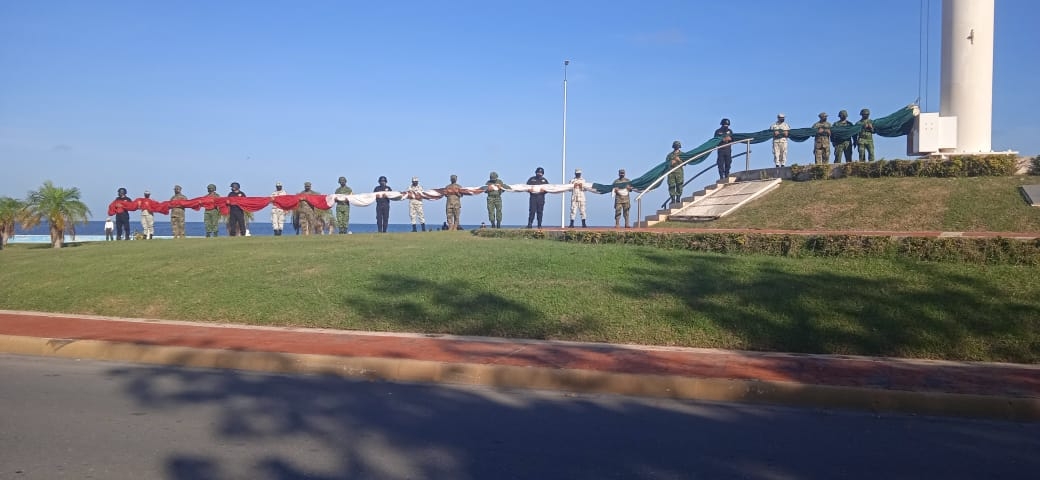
[[675, 179]]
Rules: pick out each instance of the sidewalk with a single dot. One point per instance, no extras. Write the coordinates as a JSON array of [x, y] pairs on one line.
[[988, 390]]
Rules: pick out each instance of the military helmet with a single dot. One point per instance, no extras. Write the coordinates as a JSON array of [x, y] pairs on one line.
[[306, 184], [235, 185], [725, 121], [494, 175], [176, 187], [211, 187], [823, 114], [621, 171], [539, 170], [865, 111], [454, 178], [843, 113], [676, 144], [121, 191], [342, 179], [382, 178]]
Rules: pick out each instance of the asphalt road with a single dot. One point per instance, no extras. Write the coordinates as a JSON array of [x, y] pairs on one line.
[[62, 418]]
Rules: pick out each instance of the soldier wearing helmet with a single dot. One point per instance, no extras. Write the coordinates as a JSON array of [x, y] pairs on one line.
[[844, 146], [307, 215], [494, 188], [382, 204], [453, 203], [865, 137], [343, 206], [177, 212], [622, 204], [211, 217], [536, 201], [725, 153], [415, 204], [236, 223], [781, 130], [822, 145], [675, 178], [122, 215]]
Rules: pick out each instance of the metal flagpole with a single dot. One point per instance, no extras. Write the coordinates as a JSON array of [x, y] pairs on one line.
[[563, 175]]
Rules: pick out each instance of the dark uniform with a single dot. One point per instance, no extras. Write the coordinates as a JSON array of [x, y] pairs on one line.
[[536, 203], [725, 159], [382, 205], [122, 217], [236, 216]]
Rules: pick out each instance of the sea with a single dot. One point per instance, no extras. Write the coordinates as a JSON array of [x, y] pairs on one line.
[[94, 231]]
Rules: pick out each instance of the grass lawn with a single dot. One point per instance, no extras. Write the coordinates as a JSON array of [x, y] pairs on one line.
[[453, 282], [895, 204]]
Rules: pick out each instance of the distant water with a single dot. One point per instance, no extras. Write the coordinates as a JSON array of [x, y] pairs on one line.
[[95, 231]]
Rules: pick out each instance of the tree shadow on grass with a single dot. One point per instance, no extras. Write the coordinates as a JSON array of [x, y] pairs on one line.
[[935, 314]]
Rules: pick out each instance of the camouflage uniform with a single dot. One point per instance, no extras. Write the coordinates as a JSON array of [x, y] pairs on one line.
[[865, 138], [415, 204], [494, 200], [277, 214], [212, 216], [780, 131], [846, 146], [675, 179], [578, 197], [453, 207], [622, 204], [822, 147], [177, 213], [309, 222], [343, 207]]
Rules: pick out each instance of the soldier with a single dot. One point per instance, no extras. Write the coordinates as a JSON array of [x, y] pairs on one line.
[[453, 207], [122, 216], [536, 202], [675, 179], [725, 158], [865, 138], [781, 130], [147, 219], [236, 223], [622, 187], [343, 207], [415, 204], [822, 146], [211, 217], [277, 214], [494, 188], [308, 219], [846, 146], [177, 213], [578, 186], [382, 205]]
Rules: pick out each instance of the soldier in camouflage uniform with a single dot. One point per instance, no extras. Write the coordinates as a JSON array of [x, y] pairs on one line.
[[622, 187], [177, 213], [212, 216], [495, 186], [822, 147], [846, 146], [675, 179], [415, 204], [309, 222], [343, 207], [865, 138], [453, 207]]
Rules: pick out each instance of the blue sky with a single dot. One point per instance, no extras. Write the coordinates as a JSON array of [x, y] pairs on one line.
[[145, 95]]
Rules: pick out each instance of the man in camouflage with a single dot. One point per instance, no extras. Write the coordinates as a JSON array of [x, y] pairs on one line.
[[578, 185], [177, 213], [211, 217], [415, 204], [343, 207], [846, 146], [494, 188], [622, 204], [277, 214], [675, 179], [865, 138], [781, 130], [453, 205], [309, 222], [822, 147]]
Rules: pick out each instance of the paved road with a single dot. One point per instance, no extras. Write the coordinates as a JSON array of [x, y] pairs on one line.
[[62, 418]]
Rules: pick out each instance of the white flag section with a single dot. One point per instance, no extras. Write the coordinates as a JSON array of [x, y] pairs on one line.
[[366, 199]]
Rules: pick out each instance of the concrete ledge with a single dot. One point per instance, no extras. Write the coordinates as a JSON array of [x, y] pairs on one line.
[[573, 380]]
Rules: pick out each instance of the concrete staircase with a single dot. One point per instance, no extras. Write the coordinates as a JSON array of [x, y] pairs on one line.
[[717, 200]]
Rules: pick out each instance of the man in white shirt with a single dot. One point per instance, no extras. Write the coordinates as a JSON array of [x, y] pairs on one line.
[[781, 130]]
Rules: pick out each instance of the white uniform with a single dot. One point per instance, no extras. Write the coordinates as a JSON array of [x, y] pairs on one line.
[[277, 214], [780, 143]]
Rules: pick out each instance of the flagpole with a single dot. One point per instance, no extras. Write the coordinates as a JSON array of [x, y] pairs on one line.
[[563, 174]]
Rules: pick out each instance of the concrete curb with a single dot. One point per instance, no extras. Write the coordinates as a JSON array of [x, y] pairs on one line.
[[572, 380]]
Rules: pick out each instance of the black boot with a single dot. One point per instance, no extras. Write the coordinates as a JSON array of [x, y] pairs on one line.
[[583, 225], [424, 227], [572, 223], [414, 228]]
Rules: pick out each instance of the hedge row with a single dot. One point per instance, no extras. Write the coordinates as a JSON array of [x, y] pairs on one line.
[[991, 251], [997, 165]]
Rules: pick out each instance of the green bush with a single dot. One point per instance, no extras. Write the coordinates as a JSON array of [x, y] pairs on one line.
[[1034, 166], [996, 165]]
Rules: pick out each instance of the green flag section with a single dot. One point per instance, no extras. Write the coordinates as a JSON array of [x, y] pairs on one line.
[[895, 125]]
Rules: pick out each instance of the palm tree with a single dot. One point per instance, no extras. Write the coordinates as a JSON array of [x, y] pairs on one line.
[[11, 212], [60, 207]]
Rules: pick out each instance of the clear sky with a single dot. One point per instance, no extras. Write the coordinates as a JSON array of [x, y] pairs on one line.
[[146, 94]]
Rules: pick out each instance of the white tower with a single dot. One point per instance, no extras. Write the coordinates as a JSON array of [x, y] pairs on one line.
[[966, 83]]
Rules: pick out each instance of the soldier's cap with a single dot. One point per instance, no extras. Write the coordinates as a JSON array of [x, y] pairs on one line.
[[109, 218], [176, 187], [780, 115], [577, 171], [676, 144], [865, 111], [454, 177], [146, 192], [343, 179], [823, 114], [843, 113], [382, 178], [121, 190], [277, 184], [211, 187], [234, 185], [306, 184], [621, 170], [539, 170], [725, 121], [415, 179]]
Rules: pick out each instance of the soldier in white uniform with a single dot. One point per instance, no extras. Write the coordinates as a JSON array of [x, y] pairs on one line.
[[578, 185], [415, 206], [277, 214], [781, 130]]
